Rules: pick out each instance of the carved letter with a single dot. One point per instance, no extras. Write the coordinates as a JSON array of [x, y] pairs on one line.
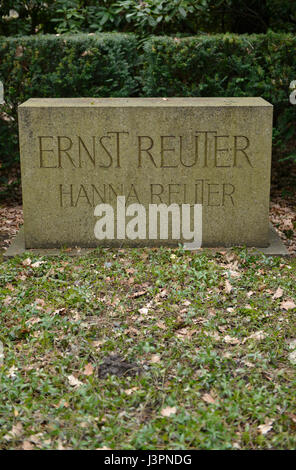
[[118, 145], [171, 190], [64, 150], [210, 194], [132, 194], [63, 193], [202, 191], [82, 194], [140, 150], [42, 150], [91, 157], [229, 194], [163, 149], [220, 150], [242, 149], [206, 144], [94, 190], [107, 151], [152, 194], [181, 152]]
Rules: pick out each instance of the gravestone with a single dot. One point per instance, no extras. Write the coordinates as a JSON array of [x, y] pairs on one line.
[[145, 171]]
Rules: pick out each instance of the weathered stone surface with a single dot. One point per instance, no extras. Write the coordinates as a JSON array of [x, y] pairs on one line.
[[79, 153]]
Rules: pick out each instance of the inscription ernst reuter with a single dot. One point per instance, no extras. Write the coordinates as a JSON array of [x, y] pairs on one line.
[[214, 152], [77, 153]]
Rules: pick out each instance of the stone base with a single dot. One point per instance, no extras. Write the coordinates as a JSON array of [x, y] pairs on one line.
[[276, 248]]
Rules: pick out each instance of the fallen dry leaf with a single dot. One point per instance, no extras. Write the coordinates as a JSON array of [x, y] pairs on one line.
[[278, 293], [26, 445], [7, 300], [163, 293], [293, 417], [27, 262], [59, 311], [11, 372], [73, 381], [248, 364], [9, 287], [60, 445], [33, 321], [212, 334], [266, 427], [37, 264], [234, 274], [62, 403], [138, 294], [168, 411], [228, 287], [292, 344], [133, 330], [88, 369], [208, 398], [231, 340], [130, 270], [98, 343], [15, 432], [129, 391], [36, 438], [288, 304], [143, 310], [185, 333], [155, 358], [292, 357], [258, 335]]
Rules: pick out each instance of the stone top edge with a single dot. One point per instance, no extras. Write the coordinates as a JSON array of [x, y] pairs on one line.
[[144, 102]]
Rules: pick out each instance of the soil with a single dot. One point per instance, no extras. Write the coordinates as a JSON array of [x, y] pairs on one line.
[[117, 365]]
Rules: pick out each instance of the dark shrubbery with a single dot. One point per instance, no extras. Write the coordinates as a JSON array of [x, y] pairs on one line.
[[226, 65], [20, 17], [66, 66]]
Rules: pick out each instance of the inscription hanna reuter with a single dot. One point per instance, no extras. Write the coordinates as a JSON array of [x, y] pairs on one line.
[[211, 152]]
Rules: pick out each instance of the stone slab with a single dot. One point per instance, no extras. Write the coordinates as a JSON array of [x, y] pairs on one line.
[[78, 153], [17, 247]]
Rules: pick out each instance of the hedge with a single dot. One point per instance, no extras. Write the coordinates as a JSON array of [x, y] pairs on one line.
[[226, 65], [62, 66], [119, 65]]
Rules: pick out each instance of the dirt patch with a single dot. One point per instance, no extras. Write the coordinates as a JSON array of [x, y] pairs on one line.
[[10, 220], [117, 365], [283, 203]]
